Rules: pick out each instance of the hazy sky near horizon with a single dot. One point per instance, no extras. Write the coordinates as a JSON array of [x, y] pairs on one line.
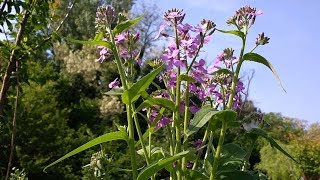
[[293, 27]]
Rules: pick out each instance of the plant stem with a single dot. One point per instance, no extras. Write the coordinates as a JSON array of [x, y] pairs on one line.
[[136, 122], [205, 137], [13, 59], [229, 106], [247, 157], [131, 143], [14, 123], [128, 108], [177, 113], [217, 154], [185, 124]]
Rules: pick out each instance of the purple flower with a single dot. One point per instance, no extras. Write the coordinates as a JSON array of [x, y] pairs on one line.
[[160, 31], [163, 122], [259, 12], [114, 84], [120, 38], [197, 143], [194, 109], [174, 15], [189, 164], [105, 53]]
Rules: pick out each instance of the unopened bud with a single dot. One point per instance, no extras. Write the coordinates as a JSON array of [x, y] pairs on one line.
[[262, 40]]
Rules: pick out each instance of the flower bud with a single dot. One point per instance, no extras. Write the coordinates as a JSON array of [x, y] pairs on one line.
[[208, 24], [262, 40], [105, 15]]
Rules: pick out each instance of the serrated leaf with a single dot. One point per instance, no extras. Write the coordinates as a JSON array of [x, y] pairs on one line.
[[101, 139], [233, 32], [134, 92], [200, 119], [125, 25], [259, 59], [155, 167], [96, 43], [272, 142]]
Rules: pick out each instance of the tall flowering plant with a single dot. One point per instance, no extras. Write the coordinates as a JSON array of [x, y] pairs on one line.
[[196, 96]]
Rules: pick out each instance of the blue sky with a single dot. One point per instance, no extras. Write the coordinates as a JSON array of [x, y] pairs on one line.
[[293, 27]]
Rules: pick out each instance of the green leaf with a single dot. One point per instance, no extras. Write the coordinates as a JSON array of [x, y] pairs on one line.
[[200, 119], [195, 175], [114, 92], [232, 156], [272, 142], [101, 139], [150, 101], [222, 71], [227, 115], [125, 25], [155, 167], [185, 77], [259, 59], [96, 43], [98, 37], [234, 32], [238, 175], [134, 92]]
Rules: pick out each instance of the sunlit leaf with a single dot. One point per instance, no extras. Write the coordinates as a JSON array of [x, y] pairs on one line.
[[259, 59], [272, 142], [114, 92], [101, 139], [134, 92], [233, 32], [125, 25], [200, 119], [163, 102], [155, 167], [96, 43]]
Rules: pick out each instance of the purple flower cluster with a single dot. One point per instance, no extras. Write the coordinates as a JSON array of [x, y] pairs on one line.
[[124, 41], [163, 121], [244, 17], [185, 48]]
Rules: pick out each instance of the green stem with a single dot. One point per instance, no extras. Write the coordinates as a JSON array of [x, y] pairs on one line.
[[171, 144], [209, 145], [128, 107], [177, 113], [136, 122], [247, 157], [185, 124], [217, 154], [229, 106], [205, 137], [131, 143]]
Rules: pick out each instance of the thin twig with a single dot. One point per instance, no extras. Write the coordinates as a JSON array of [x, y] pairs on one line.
[[12, 61], [14, 123]]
